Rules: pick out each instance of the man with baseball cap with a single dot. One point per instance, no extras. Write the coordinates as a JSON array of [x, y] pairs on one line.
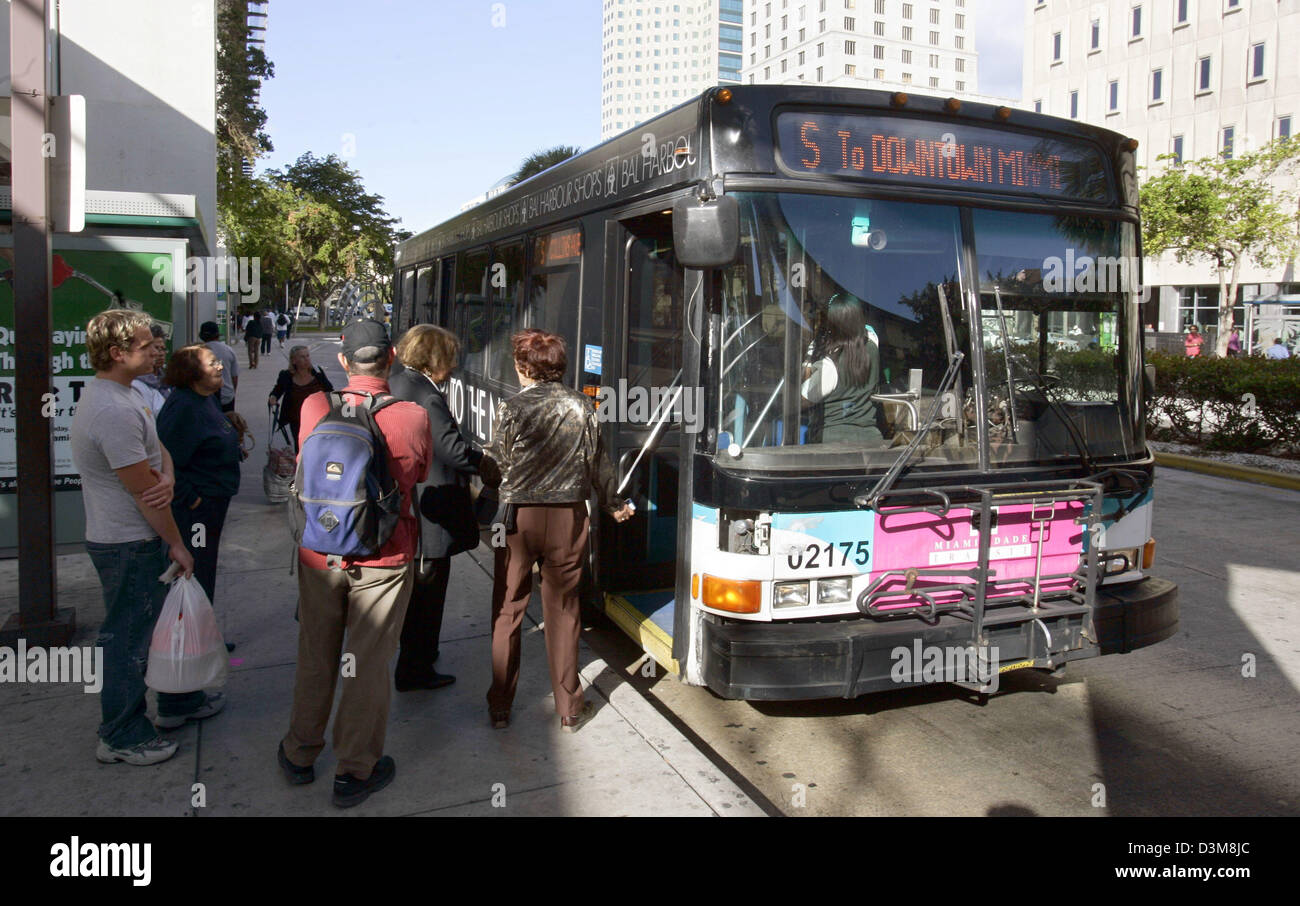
[[362, 597]]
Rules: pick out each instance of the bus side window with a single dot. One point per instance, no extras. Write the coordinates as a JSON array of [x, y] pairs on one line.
[[471, 309], [507, 287]]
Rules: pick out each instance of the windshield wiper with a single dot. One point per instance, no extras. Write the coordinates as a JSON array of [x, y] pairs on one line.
[[887, 480], [1071, 428]]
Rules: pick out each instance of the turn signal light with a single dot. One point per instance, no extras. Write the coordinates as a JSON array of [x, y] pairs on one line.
[[695, 586], [724, 96], [1148, 554], [734, 595], [898, 99], [952, 105]]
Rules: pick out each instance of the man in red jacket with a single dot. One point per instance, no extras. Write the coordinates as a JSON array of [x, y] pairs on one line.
[[366, 598]]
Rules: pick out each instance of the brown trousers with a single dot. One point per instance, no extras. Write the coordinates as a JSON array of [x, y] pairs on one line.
[[557, 535], [369, 603]]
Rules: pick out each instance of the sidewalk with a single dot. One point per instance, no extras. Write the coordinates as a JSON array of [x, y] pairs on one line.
[[629, 760]]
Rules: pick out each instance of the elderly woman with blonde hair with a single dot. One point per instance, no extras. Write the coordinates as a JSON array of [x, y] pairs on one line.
[[426, 356]]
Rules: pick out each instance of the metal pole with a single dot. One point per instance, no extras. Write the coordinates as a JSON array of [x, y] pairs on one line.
[[38, 620]]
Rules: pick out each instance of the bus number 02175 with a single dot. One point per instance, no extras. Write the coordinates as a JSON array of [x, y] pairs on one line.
[[810, 557]]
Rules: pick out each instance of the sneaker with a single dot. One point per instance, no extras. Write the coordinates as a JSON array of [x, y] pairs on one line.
[[151, 751], [349, 791], [295, 774], [211, 705], [573, 723]]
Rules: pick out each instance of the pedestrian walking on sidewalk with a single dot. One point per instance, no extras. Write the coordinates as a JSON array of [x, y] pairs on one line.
[[364, 598], [268, 331], [293, 385], [229, 364], [281, 327], [426, 357], [205, 450], [127, 481], [546, 445], [253, 339]]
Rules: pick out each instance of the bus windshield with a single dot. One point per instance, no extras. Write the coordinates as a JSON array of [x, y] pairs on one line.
[[841, 317]]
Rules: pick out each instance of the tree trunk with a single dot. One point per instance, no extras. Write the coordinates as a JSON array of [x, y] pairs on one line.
[[1227, 304]]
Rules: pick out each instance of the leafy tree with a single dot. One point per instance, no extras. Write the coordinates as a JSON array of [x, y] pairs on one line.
[[1225, 211], [543, 160], [241, 68]]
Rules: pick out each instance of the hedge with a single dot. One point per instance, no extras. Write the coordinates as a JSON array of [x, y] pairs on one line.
[[1248, 405]]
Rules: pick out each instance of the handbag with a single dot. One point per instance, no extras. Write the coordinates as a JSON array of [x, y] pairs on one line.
[[451, 507], [187, 652]]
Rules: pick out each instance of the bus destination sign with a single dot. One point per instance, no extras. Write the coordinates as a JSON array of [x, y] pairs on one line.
[[930, 153]]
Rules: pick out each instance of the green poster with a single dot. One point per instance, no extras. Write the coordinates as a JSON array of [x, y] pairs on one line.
[[84, 283]]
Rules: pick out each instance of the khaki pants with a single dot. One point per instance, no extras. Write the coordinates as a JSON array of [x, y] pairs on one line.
[[557, 535], [369, 603]]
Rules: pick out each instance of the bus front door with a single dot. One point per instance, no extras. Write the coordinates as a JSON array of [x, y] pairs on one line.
[[642, 406]]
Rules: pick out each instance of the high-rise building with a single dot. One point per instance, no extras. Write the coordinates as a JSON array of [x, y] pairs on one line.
[[658, 53], [927, 45], [1192, 78]]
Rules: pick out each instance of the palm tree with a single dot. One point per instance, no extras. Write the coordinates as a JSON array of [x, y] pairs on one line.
[[543, 160]]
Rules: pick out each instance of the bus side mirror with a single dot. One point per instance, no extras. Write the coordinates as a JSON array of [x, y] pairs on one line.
[[706, 233], [1149, 380]]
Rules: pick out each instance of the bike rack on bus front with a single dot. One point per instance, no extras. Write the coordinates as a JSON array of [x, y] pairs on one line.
[[974, 604]]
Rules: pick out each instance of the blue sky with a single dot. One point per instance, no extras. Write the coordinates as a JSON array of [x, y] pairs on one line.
[[433, 103]]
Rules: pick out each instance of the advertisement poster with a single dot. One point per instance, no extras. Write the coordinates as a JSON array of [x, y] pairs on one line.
[[85, 282]]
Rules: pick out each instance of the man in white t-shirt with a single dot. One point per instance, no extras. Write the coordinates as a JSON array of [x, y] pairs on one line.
[[126, 484]]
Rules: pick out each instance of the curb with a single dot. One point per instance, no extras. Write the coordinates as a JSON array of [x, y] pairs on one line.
[[711, 785], [1228, 470]]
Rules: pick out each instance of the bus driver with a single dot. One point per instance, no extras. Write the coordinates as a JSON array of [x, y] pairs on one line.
[[844, 377]]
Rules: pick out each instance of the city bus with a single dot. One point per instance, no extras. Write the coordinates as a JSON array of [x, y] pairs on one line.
[[975, 480]]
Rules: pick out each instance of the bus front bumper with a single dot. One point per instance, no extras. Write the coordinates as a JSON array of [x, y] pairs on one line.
[[847, 658]]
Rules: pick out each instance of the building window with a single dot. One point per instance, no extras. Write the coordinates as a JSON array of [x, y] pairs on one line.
[[907, 32], [801, 58], [907, 56], [801, 33], [819, 73], [1284, 127], [934, 17], [878, 52], [1056, 46], [849, 23], [1203, 74], [907, 10], [1137, 22], [850, 48], [1038, 106], [1180, 12], [1074, 105], [907, 78], [1228, 134], [1178, 149], [767, 73], [783, 62], [880, 7], [850, 69], [1157, 77], [880, 73], [934, 82], [821, 50], [960, 19], [821, 25], [1096, 35], [959, 64], [1257, 61], [961, 86], [879, 29], [934, 38], [959, 42], [1200, 305], [1112, 94]]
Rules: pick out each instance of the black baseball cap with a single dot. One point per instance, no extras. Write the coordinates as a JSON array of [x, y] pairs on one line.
[[362, 333]]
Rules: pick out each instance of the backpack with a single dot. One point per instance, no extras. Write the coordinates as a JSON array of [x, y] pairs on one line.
[[347, 502]]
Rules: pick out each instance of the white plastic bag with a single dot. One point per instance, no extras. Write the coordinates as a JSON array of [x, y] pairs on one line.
[[187, 652]]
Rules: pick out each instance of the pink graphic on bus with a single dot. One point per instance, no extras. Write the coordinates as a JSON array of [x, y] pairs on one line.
[[929, 541]]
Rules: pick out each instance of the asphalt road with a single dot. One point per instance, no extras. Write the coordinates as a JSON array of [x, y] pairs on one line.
[[1205, 723]]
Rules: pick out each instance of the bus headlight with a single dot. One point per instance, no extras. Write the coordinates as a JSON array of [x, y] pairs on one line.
[[1124, 559], [790, 594], [834, 591]]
